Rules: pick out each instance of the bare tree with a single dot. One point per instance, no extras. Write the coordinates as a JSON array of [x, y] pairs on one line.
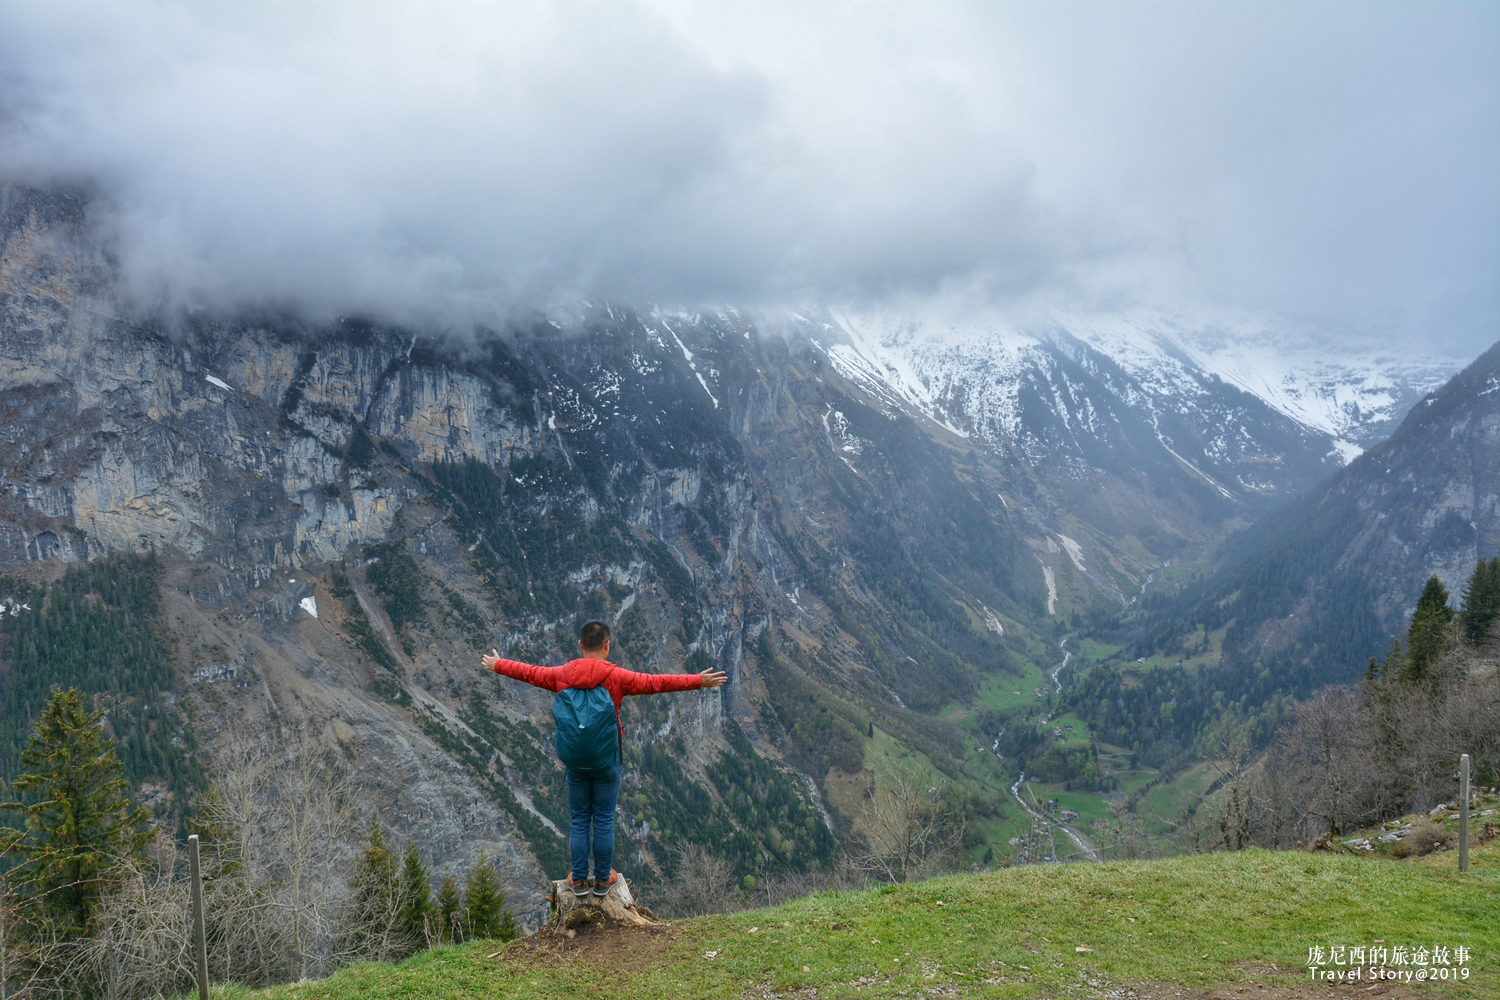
[[144, 946], [311, 818], [1354, 756], [1464, 718], [1122, 836], [773, 888], [1329, 749], [284, 828], [703, 882], [375, 923], [139, 948], [35, 958], [906, 833], [1274, 805]]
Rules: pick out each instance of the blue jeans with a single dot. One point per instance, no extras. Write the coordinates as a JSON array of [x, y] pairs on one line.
[[592, 802]]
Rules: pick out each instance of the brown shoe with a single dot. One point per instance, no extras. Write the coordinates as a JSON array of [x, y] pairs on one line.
[[603, 885], [579, 888]]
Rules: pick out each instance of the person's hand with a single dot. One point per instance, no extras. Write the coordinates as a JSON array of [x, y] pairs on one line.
[[713, 678], [489, 660]]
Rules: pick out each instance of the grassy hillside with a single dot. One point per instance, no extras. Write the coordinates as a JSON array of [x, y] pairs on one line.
[[1191, 924]]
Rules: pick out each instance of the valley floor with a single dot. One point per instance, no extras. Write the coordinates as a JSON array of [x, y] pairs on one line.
[[1242, 925]]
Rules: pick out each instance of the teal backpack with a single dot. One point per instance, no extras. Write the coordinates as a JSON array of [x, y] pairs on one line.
[[587, 734]]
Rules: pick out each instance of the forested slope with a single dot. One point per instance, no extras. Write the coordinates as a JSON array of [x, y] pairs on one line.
[[1306, 595]]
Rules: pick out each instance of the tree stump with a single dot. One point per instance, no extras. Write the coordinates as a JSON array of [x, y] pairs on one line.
[[570, 912]]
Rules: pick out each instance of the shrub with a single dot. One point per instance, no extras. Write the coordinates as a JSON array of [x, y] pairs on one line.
[[1426, 837]]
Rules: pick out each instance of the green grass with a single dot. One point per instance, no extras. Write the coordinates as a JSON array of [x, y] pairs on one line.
[[1087, 805], [997, 690], [890, 760], [980, 763], [1131, 780], [1194, 922], [1162, 807], [1078, 734], [1005, 691], [1192, 657], [1115, 761], [987, 777], [997, 833], [1096, 651]]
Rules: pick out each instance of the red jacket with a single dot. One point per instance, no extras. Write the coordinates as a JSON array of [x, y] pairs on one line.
[[586, 672]]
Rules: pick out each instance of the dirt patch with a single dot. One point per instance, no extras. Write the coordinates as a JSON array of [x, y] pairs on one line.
[[1160, 991], [588, 935], [1296, 990], [766, 993]]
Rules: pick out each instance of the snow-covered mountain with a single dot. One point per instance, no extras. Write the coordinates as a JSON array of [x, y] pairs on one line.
[[1354, 390], [972, 376], [1308, 593]]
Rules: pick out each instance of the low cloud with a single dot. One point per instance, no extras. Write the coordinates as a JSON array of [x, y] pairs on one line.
[[1333, 163]]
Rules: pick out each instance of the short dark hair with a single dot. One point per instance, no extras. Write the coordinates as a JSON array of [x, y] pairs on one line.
[[593, 635]]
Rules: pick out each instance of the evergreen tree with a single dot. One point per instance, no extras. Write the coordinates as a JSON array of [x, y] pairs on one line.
[[375, 906], [416, 897], [99, 628], [485, 903], [1430, 634], [80, 826], [1481, 601], [447, 908], [1395, 665]]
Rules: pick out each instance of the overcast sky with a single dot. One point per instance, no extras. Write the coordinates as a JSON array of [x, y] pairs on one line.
[[1332, 163]]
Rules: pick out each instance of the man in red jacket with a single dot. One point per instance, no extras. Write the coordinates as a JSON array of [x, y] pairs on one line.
[[591, 801]]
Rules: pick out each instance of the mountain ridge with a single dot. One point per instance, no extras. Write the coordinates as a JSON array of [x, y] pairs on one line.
[[1306, 595], [726, 489]]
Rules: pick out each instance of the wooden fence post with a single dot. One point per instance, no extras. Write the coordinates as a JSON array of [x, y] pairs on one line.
[[200, 941], [1463, 813]]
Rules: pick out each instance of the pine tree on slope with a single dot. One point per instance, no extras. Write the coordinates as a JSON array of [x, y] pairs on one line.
[[379, 913], [1431, 633], [447, 908], [79, 826], [485, 902], [1481, 602], [416, 899]]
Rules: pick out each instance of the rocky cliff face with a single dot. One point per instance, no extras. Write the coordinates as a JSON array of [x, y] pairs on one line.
[[726, 491], [1425, 502], [1312, 590], [1309, 593]]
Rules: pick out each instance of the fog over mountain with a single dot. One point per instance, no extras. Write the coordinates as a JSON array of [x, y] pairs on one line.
[[1047, 394], [1328, 164]]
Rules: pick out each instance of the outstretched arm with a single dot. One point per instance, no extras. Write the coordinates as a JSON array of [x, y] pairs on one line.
[[542, 677], [632, 682]]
